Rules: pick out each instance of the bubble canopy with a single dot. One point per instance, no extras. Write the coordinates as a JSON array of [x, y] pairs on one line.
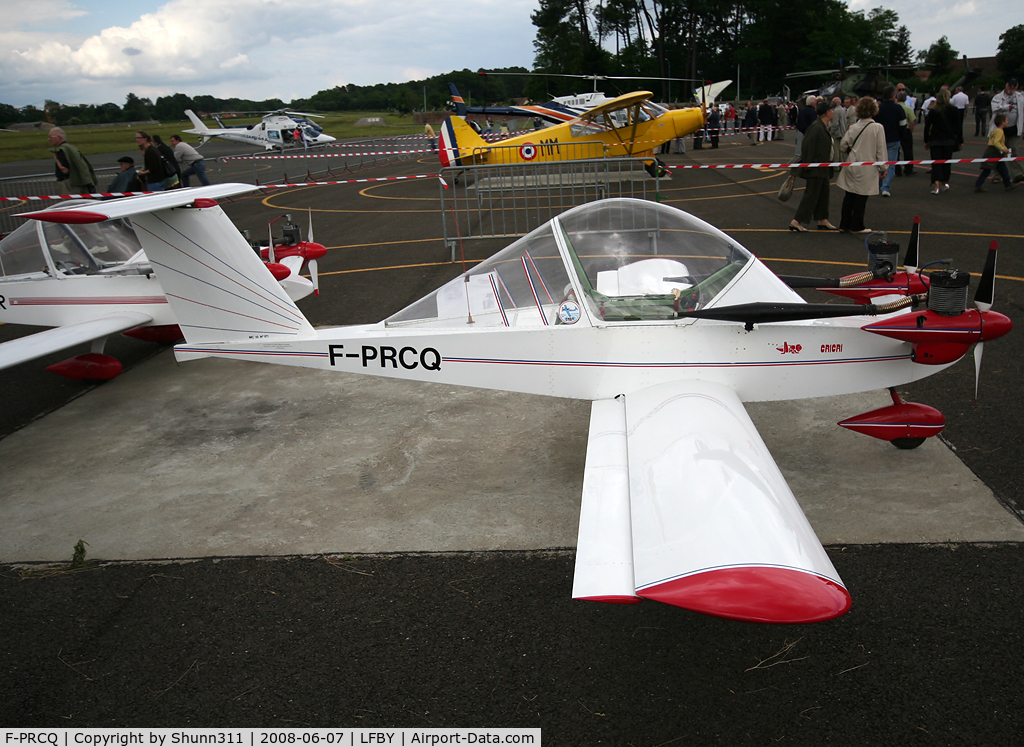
[[611, 261]]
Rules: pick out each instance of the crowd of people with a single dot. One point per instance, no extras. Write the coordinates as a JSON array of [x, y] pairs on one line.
[[163, 166], [881, 130]]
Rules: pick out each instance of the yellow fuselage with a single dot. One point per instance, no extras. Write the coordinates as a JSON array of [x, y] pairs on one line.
[[587, 139]]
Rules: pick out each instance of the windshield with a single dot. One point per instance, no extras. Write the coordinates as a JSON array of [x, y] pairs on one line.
[[641, 260], [21, 253], [89, 248], [631, 260]]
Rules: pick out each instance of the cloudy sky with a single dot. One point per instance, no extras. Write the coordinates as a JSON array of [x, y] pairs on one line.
[[95, 51]]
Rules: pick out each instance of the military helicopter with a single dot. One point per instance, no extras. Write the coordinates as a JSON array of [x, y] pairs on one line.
[[853, 80], [278, 130]]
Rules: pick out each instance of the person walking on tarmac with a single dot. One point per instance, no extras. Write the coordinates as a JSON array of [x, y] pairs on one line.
[[72, 169], [816, 148]]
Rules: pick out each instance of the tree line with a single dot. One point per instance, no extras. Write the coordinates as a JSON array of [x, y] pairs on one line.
[[135, 109], [756, 42], [753, 42]]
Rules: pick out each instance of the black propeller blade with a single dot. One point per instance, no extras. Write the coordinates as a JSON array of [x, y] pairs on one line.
[[913, 249], [985, 296]]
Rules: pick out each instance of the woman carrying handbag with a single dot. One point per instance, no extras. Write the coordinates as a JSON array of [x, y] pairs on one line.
[[864, 141]]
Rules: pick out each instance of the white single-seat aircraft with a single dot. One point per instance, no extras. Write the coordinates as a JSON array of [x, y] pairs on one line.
[[665, 323], [92, 280], [277, 131]]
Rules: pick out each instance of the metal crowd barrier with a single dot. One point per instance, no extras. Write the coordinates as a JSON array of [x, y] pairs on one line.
[[510, 200], [31, 186], [321, 164]]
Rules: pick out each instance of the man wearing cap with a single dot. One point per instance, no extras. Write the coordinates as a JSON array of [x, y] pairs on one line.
[[126, 179], [189, 160], [1010, 101]]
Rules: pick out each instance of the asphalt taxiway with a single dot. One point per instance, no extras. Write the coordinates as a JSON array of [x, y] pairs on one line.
[[223, 459]]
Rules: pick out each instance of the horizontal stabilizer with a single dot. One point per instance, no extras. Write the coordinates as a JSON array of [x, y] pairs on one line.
[[127, 207]]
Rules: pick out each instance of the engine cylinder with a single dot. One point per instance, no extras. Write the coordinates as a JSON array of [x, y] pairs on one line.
[[948, 292], [883, 255]]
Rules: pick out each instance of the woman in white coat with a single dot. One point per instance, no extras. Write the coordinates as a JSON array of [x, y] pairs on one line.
[[864, 141]]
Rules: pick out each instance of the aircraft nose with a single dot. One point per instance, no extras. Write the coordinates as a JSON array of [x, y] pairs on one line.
[[687, 121]]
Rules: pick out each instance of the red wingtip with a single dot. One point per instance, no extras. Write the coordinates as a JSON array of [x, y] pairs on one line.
[[612, 599], [994, 245], [68, 216], [755, 594], [917, 219]]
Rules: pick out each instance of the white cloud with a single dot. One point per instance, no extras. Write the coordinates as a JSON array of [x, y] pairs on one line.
[[94, 52], [972, 27], [257, 49], [39, 12]]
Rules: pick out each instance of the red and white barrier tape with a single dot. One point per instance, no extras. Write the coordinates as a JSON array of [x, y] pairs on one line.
[[261, 186], [437, 176], [842, 163], [325, 155]]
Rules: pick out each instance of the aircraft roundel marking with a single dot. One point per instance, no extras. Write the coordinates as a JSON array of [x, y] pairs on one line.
[[528, 151]]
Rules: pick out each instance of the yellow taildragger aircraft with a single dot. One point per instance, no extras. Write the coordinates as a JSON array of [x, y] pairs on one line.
[[630, 125]]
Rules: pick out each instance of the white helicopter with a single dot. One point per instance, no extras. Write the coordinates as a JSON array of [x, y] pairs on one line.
[[278, 130], [667, 325], [90, 280]]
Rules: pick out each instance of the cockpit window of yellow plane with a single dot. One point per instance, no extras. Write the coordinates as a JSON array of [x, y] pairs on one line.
[[583, 128]]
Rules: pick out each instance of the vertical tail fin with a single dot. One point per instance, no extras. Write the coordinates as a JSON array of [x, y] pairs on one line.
[[460, 104], [200, 126], [219, 289], [458, 142]]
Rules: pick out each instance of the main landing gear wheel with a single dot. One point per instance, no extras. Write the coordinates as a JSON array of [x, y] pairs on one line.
[[907, 443]]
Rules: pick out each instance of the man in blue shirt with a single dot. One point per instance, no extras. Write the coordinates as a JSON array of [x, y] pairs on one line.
[[893, 118]]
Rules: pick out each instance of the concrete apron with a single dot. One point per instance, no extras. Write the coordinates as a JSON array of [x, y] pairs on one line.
[[226, 458]]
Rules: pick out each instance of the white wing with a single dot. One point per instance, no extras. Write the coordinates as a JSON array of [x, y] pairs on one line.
[[712, 525], [35, 346]]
